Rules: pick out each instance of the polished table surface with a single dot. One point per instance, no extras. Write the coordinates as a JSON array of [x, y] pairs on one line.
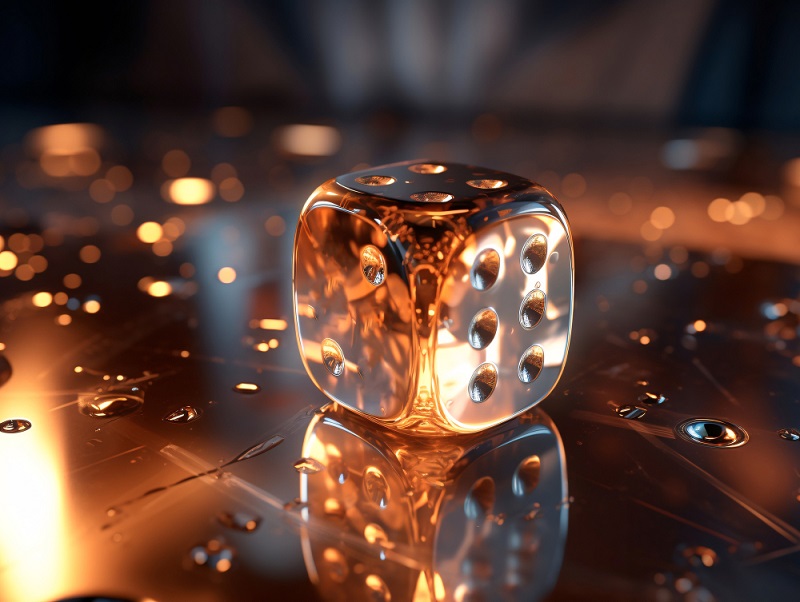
[[157, 421]]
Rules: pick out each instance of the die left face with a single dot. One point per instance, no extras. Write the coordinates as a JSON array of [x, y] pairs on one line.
[[433, 297]]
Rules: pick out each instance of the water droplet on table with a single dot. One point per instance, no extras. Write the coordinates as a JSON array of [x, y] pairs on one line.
[[631, 412], [183, 415], [110, 405], [308, 466], [15, 425], [246, 388], [652, 398], [712, 432]]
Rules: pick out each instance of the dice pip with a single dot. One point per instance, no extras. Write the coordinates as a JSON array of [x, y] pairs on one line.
[[433, 297]]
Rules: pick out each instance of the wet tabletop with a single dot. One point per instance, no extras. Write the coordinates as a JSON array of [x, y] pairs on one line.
[[160, 439]]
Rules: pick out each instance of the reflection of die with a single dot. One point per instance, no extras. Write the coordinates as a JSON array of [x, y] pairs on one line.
[[477, 518], [434, 297]]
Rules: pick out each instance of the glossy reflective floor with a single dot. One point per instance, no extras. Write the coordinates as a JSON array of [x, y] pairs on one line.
[[160, 439]]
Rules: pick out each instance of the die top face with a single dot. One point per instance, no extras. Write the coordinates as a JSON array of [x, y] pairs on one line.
[[436, 305]]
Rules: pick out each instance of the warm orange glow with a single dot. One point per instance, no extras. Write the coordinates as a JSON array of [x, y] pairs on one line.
[[102, 191], [65, 138], [273, 343], [191, 191], [173, 228], [8, 261], [162, 248], [38, 263], [149, 232], [121, 215], [90, 254], [650, 232], [60, 298], [24, 272], [222, 171], [159, 288], [662, 217], [262, 347], [226, 275], [273, 324], [64, 320], [699, 325], [42, 299], [718, 209], [91, 306], [120, 177], [663, 271], [309, 140], [231, 190], [275, 225], [72, 281], [176, 163]]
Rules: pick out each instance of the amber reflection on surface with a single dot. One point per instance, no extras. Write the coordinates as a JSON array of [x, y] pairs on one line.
[[32, 501]]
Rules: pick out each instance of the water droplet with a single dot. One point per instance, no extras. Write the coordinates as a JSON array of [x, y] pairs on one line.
[[5, 370], [483, 381], [631, 412], [246, 388], [183, 415], [485, 269], [110, 405], [533, 254], [377, 590], [373, 265], [652, 398], [239, 521], [712, 432], [332, 357], [376, 180], [701, 556], [530, 364], [308, 466], [482, 328], [15, 425], [375, 534], [487, 184], [214, 555], [427, 168], [375, 487], [260, 448], [335, 565], [480, 499], [432, 197], [531, 309], [789, 434], [526, 477]]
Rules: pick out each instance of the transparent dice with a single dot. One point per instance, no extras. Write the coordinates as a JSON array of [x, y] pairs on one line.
[[433, 297]]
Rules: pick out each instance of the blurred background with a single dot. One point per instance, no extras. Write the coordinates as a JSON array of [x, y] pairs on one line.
[[619, 106]]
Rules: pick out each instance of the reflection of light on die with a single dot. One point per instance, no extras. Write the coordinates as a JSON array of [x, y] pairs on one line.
[[459, 520], [433, 297]]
